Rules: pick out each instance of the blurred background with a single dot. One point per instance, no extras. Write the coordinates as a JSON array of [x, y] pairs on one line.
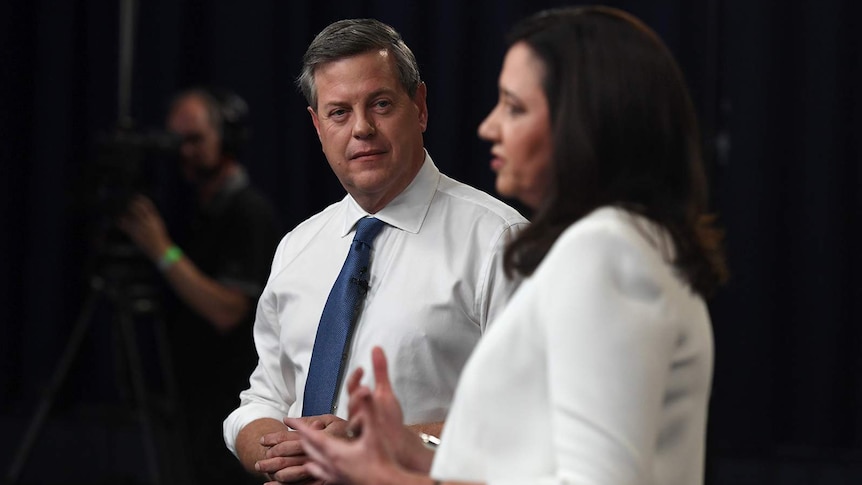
[[777, 88]]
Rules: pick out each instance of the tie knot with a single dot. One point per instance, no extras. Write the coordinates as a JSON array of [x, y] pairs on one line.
[[367, 229]]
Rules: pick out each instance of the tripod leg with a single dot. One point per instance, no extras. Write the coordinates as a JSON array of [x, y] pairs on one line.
[[82, 324], [126, 322], [176, 411], [167, 365]]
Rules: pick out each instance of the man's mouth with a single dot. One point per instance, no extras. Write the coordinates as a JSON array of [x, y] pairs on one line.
[[366, 153]]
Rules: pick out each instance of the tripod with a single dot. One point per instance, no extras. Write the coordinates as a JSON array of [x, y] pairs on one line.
[[111, 285]]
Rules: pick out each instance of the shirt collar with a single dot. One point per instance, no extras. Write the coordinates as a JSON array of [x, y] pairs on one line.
[[408, 209]]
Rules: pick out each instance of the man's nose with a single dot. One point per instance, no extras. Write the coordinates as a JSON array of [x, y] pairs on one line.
[[363, 126]]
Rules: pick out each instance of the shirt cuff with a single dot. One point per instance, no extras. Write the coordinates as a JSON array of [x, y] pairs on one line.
[[242, 416]]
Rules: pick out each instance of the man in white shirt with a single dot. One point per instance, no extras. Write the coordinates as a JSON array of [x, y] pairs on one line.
[[436, 277]]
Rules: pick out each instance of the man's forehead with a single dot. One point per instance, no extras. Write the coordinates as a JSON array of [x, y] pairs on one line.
[[190, 102], [190, 110], [341, 90], [375, 62]]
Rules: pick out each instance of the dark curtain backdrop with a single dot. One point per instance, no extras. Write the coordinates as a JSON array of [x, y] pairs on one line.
[[777, 86]]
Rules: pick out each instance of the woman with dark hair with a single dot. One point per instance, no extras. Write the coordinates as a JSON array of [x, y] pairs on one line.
[[599, 369]]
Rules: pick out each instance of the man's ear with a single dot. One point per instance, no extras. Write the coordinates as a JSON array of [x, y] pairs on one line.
[[421, 105], [314, 120]]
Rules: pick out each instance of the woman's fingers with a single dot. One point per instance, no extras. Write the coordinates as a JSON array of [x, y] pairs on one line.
[[381, 373], [355, 378]]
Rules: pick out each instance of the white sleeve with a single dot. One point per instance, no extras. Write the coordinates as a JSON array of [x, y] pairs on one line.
[[495, 288], [609, 344], [271, 392]]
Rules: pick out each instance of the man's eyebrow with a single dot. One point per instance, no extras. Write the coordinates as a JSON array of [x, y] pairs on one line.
[[335, 104], [370, 96], [382, 91]]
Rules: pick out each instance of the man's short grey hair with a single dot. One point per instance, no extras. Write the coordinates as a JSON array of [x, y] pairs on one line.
[[347, 38]]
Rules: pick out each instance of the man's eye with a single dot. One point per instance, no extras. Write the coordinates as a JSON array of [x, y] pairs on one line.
[[337, 113]]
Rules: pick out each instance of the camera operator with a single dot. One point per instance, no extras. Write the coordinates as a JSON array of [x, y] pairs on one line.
[[216, 273]]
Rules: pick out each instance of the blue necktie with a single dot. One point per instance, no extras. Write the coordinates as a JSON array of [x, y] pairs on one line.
[[332, 343]]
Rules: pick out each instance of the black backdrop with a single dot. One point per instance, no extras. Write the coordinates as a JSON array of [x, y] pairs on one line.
[[777, 85]]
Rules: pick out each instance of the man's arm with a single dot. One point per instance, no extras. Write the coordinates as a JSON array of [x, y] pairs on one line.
[[499, 287], [434, 429], [222, 306], [249, 442]]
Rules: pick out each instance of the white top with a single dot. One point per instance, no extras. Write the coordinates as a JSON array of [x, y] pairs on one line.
[[598, 371], [436, 281]]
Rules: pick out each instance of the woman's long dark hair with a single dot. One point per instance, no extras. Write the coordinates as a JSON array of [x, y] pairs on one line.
[[624, 134]]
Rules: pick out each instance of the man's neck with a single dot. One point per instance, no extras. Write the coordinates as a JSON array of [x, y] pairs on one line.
[[209, 188]]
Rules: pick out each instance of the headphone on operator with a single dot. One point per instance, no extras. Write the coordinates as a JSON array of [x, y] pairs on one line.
[[231, 114]]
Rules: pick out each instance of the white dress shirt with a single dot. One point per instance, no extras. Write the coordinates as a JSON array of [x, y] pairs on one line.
[[436, 280], [597, 372]]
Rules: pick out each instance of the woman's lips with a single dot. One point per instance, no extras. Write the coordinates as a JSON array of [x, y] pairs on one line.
[[496, 164]]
